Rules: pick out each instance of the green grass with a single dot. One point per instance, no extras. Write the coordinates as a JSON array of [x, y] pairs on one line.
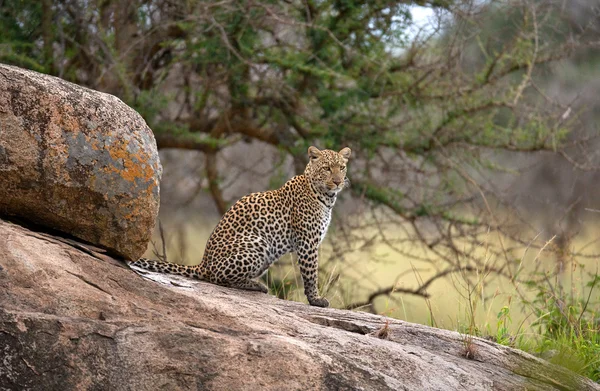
[[560, 323]]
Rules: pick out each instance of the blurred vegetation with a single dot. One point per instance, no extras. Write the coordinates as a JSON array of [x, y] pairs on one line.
[[437, 114]]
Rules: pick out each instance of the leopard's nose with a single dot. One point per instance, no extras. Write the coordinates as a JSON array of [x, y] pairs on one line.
[[337, 181]]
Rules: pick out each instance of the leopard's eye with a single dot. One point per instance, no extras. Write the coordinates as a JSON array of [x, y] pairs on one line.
[[343, 167], [329, 169]]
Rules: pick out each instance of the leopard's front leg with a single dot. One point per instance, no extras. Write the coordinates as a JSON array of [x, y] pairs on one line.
[[309, 267]]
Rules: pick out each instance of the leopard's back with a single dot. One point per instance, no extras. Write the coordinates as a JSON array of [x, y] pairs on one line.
[[273, 219]]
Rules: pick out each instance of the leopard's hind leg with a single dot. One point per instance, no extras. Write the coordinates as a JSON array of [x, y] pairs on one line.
[[250, 285]]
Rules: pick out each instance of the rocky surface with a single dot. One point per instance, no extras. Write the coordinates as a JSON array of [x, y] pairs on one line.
[[78, 161], [71, 321]]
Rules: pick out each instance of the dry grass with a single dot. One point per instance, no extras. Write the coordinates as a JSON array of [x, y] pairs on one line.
[[384, 331]]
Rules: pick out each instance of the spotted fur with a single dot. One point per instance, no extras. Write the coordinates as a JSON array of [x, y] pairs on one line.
[[261, 227]]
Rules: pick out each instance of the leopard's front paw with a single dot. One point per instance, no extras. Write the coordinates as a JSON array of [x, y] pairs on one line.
[[319, 302]]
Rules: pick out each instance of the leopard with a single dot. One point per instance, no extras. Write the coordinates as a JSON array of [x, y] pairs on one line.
[[260, 228]]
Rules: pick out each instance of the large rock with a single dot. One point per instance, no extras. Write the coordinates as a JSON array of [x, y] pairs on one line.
[[78, 161], [69, 321]]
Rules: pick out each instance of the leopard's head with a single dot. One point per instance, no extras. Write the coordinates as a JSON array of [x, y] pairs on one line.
[[327, 169]]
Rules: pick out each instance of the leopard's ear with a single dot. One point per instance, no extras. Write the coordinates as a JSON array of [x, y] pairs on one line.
[[314, 153], [346, 153]]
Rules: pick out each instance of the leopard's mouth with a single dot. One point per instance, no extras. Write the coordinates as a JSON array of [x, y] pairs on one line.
[[333, 188]]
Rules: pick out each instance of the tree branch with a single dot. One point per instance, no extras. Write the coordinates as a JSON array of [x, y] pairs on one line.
[[213, 181], [419, 291]]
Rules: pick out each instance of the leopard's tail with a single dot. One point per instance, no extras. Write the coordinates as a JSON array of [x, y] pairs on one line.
[[167, 267]]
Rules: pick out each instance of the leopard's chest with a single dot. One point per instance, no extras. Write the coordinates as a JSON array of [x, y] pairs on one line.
[[325, 221]]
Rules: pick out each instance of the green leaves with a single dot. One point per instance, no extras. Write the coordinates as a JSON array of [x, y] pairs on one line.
[[19, 31]]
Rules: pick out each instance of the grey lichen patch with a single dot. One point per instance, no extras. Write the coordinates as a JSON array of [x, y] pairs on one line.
[[111, 184], [89, 160], [148, 140], [80, 150], [91, 125], [133, 148]]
